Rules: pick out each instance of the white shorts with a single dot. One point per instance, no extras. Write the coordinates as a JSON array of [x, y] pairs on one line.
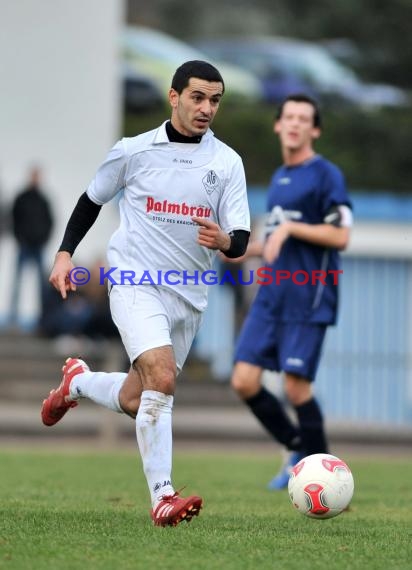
[[149, 317]]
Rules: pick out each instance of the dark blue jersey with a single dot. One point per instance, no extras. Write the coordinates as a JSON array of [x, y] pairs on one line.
[[306, 193]]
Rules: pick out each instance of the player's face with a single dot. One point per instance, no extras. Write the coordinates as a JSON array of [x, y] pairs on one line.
[[194, 109], [295, 126]]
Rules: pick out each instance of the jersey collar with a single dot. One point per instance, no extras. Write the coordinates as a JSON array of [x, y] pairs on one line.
[[162, 138]]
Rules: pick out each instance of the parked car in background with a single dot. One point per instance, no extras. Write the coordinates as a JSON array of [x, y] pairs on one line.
[[140, 92], [157, 55], [286, 65]]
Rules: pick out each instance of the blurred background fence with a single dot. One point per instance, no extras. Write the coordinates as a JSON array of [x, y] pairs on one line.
[[366, 375]]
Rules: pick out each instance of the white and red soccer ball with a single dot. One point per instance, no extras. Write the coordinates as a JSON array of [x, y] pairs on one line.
[[321, 486]]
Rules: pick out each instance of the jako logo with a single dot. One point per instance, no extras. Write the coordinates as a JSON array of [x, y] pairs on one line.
[[182, 209]]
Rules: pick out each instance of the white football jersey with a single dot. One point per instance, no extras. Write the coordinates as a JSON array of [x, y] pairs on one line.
[[163, 184]]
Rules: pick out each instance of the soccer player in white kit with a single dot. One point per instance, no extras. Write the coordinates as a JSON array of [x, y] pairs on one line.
[[183, 199]]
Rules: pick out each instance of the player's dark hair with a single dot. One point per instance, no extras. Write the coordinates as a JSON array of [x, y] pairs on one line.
[[196, 68], [302, 98]]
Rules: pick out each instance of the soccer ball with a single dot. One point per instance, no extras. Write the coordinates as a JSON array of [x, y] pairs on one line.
[[320, 486]]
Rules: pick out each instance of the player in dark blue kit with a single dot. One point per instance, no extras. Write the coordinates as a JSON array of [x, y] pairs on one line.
[[308, 223]]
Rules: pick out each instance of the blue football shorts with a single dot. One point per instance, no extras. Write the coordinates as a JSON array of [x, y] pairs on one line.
[[283, 347]]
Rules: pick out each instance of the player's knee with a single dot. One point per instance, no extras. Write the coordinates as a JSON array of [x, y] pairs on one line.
[[244, 384], [158, 376], [157, 370], [236, 383], [294, 398], [298, 390], [167, 383], [163, 380]]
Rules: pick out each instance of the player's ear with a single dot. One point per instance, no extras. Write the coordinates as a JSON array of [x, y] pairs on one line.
[[316, 132], [173, 98], [276, 127]]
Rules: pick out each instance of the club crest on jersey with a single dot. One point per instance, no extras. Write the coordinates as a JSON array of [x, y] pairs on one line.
[[211, 181]]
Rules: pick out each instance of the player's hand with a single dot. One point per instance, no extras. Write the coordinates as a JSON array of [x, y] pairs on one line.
[[59, 277], [211, 235], [275, 241]]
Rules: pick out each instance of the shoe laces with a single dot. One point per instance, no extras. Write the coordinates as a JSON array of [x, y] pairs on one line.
[[170, 498]]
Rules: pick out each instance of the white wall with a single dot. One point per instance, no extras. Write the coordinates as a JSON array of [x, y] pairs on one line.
[[60, 108]]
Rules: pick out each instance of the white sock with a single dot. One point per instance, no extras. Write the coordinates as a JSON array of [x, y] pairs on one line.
[[154, 437], [100, 387]]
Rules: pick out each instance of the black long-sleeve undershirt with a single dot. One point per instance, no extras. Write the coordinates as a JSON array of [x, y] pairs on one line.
[[238, 243], [83, 217]]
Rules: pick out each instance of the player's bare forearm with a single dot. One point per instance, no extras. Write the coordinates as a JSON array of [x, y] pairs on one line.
[[274, 243], [254, 249], [324, 235], [60, 274]]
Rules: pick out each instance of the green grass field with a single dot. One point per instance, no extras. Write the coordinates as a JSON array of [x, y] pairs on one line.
[[70, 510]]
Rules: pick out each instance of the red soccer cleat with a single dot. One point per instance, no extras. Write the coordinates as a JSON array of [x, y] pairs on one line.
[[173, 509], [59, 401]]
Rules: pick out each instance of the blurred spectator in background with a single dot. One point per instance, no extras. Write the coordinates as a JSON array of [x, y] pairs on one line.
[[32, 224], [86, 314]]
